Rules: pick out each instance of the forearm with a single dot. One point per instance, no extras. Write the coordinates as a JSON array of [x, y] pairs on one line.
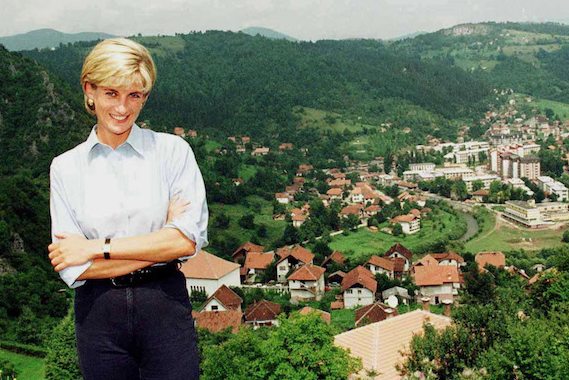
[[112, 268], [160, 246]]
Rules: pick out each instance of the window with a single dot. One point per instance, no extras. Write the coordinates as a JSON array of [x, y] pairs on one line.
[[359, 291], [214, 307], [283, 267]]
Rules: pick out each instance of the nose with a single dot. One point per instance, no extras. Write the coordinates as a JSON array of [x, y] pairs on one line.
[[121, 106]]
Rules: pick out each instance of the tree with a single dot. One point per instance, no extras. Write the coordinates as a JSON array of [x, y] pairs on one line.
[[61, 360], [221, 220], [247, 221], [565, 237], [397, 229], [477, 185]]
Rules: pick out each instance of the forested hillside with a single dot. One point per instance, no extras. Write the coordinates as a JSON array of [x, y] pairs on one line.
[[234, 83], [39, 118], [529, 58]]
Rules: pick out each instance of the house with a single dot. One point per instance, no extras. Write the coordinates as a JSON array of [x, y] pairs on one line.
[[424, 261], [303, 169], [217, 321], [355, 209], [256, 263], [262, 151], [479, 195], [335, 193], [373, 313], [307, 283], [381, 345], [335, 257], [383, 265], [401, 294], [285, 146], [223, 299], [399, 251], [298, 220], [410, 224], [357, 195], [292, 258], [340, 182], [325, 316], [192, 133], [359, 287], [262, 313], [179, 131], [496, 259], [336, 278], [449, 258], [439, 282], [241, 251], [206, 272], [282, 198]]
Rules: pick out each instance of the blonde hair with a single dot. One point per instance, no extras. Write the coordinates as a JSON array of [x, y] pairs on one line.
[[118, 62]]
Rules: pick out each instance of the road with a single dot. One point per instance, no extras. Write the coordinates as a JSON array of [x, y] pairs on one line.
[[464, 209]]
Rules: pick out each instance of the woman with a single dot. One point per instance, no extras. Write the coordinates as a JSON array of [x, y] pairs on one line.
[[113, 240]]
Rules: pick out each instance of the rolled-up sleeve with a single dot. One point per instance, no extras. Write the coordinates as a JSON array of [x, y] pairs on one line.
[[63, 221], [186, 182]]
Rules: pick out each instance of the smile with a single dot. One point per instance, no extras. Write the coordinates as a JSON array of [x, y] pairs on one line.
[[118, 117]]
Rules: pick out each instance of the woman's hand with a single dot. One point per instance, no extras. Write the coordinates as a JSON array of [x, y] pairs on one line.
[[176, 208], [72, 250]]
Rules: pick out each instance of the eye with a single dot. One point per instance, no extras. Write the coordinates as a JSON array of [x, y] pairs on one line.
[[136, 95], [111, 93]]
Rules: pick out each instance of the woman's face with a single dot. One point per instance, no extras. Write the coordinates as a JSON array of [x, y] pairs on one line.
[[116, 108]]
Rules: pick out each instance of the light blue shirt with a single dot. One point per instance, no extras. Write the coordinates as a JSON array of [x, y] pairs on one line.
[[98, 192]]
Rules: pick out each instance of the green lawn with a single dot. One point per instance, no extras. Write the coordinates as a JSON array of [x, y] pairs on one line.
[[263, 211], [311, 117], [507, 238], [28, 367], [362, 244], [343, 319], [247, 171], [560, 109]]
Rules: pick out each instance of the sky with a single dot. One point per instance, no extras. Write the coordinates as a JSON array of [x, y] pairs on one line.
[[302, 19]]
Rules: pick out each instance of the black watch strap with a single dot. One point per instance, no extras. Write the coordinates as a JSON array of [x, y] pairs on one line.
[[107, 249]]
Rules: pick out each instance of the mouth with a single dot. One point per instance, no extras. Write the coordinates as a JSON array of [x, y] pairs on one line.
[[118, 117]]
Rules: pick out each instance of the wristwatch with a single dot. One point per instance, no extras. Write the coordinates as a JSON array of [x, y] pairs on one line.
[[107, 249]]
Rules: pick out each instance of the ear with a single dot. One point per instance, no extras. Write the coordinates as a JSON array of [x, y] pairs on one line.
[[89, 89]]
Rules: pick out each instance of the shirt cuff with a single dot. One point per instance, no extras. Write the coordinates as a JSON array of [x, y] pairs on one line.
[[69, 275], [194, 234]]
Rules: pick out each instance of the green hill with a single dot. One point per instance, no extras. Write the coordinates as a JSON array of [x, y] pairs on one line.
[[266, 32], [230, 83], [527, 57], [47, 38]]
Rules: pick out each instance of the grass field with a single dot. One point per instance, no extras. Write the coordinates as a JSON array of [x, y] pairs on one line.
[[28, 368], [560, 109], [311, 117], [507, 238], [343, 319], [360, 245], [263, 211]]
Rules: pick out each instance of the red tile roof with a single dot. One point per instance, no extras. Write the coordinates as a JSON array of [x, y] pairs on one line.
[[216, 321], [336, 305], [307, 272], [398, 264], [433, 275], [352, 210], [496, 259], [382, 262], [448, 256], [323, 314], [262, 311], [359, 276], [400, 249], [336, 257], [204, 265], [403, 218], [248, 247], [258, 260], [373, 313], [334, 191], [227, 297], [298, 252]]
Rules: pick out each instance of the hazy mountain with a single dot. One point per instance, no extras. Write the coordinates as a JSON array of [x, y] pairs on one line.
[[266, 32], [47, 38]]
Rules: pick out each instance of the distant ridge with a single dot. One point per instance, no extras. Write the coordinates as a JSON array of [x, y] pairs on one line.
[[268, 33], [410, 35], [47, 38]]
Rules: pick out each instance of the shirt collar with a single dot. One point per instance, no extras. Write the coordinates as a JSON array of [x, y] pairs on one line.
[[135, 140]]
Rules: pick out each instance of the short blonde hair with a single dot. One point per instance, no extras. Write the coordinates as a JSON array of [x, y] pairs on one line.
[[118, 62]]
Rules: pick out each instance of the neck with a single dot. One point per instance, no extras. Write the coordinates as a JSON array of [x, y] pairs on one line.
[[111, 139]]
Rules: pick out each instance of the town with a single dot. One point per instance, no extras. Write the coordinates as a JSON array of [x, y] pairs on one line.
[[397, 288]]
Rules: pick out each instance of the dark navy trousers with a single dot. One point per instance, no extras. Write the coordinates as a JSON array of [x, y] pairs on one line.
[[143, 332]]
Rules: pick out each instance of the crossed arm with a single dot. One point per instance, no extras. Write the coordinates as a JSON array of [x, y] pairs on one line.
[[127, 254]]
